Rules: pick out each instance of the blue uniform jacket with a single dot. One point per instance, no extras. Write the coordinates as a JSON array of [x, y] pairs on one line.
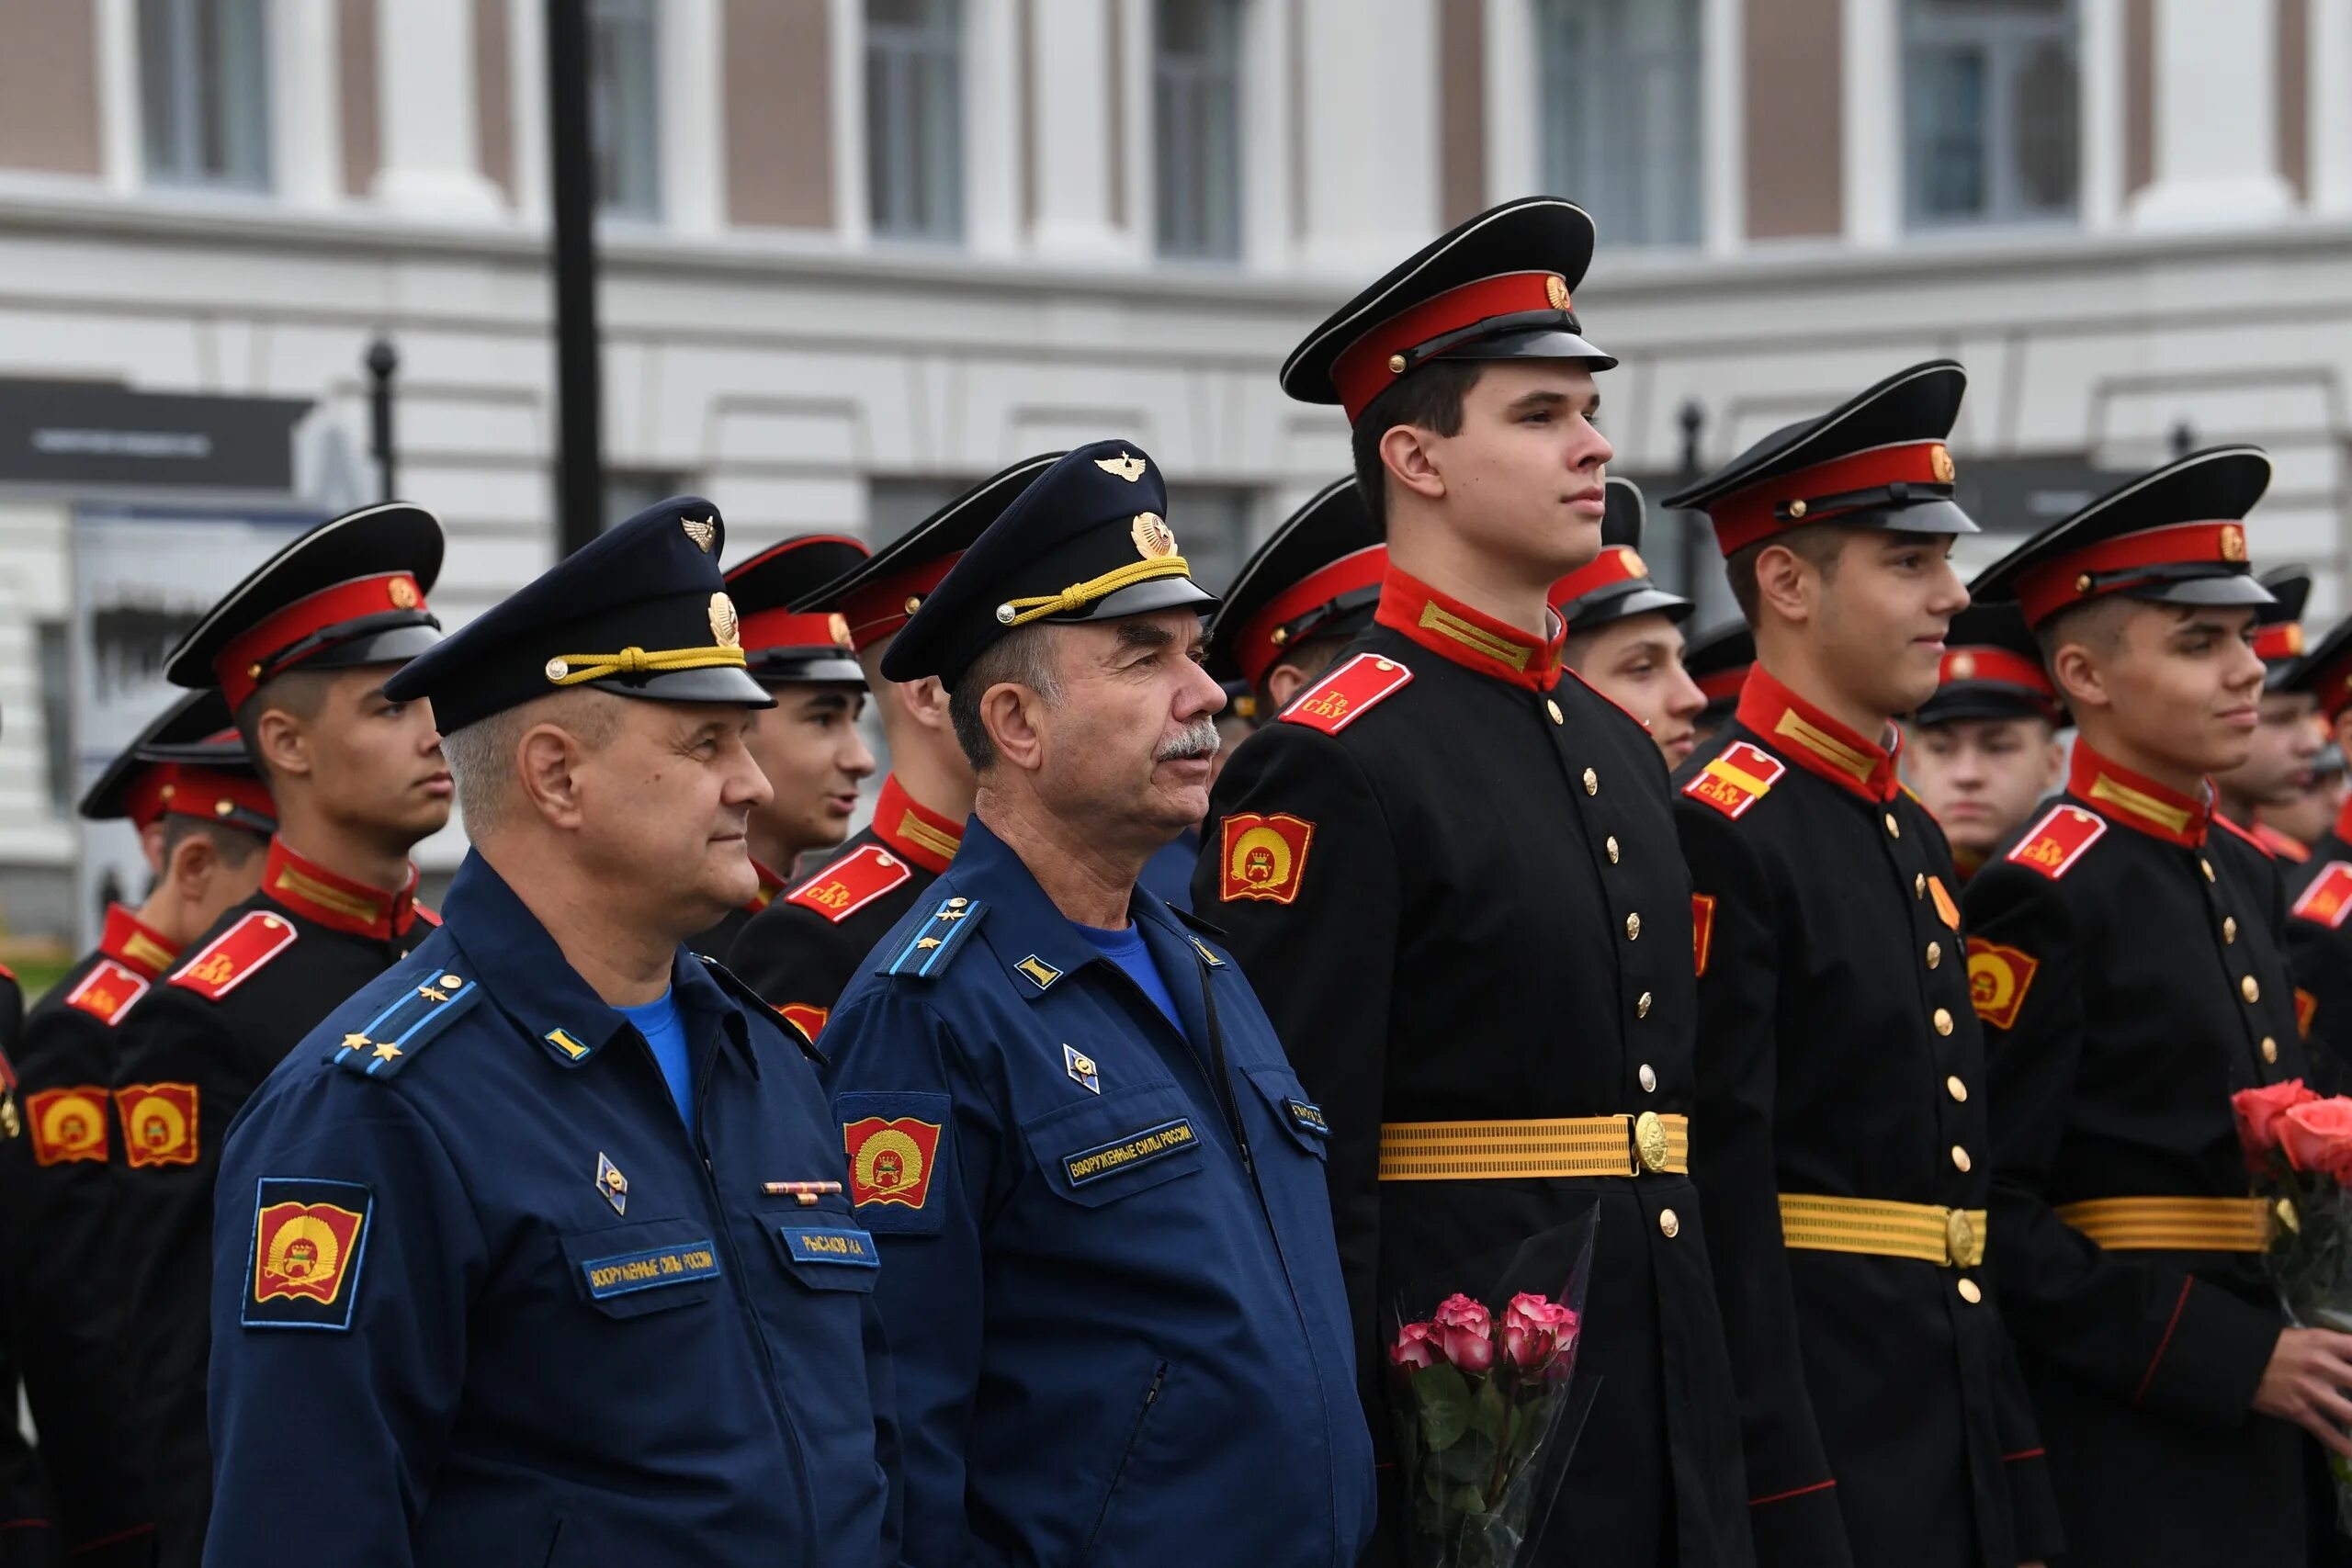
[[480, 1297], [1112, 1294]]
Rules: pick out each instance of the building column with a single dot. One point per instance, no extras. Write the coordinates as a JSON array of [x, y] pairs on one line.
[[1073, 77], [2216, 156], [693, 152], [1268, 204], [430, 156], [2330, 97], [991, 133], [1870, 93], [123, 157], [1514, 109], [1722, 144], [2099, 197], [527, 67], [1371, 125], [305, 103]]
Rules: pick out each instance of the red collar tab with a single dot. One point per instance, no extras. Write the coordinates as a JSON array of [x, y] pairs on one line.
[[877, 609], [1294, 615], [2277, 644], [770, 885], [1615, 564], [283, 640], [769, 630], [205, 793], [1824, 491], [1997, 665], [1372, 364], [336, 902], [917, 832], [2133, 800], [2112, 564], [1816, 742], [134, 944], [1724, 685], [1453, 630]]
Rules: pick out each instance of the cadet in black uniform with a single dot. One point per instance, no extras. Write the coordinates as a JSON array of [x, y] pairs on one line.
[[1984, 751], [1298, 600], [2319, 888], [1718, 661], [801, 950], [1450, 869], [2121, 958], [300, 651], [1841, 1074], [1624, 631], [28, 1538], [2288, 741]]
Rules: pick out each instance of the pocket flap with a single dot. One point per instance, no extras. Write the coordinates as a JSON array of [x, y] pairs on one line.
[[652, 1265], [825, 1254], [1286, 1098], [1101, 1151]]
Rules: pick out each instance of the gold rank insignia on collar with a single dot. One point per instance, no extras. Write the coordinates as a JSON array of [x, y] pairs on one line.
[[1037, 972], [389, 1042], [612, 1183]]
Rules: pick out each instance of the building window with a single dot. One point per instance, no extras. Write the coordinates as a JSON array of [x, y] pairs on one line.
[[914, 119], [1620, 80], [623, 106], [204, 93], [1196, 131], [1990, 112], [1212, 527]]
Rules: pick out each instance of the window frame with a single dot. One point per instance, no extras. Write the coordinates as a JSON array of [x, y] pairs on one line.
[[173, 88], [1192, 220], [625, 159], [2007, 41], [1573, 90], [914, 165]]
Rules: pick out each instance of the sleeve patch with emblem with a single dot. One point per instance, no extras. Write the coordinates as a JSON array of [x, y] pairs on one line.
[[894, 1144], [228, 960], [159, 1124], [806, 1017], [107, 992], [850, 883], [2328, 899], [68, 1124], [310, 1239], [1703, 930], [2058, 841], [1999, 978], [1731, 783], [1347, 694], [1265, 856]]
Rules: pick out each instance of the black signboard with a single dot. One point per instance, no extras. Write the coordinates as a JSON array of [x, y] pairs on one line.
[[89, 435]]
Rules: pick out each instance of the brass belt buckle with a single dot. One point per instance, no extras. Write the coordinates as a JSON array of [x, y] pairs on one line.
[[1649, 1142]]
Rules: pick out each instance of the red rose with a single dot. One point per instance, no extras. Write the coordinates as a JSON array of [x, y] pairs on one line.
[[2257, 1111], [1416, 1347], [2317, 1137], [1466, 1333], [1536, 1331]]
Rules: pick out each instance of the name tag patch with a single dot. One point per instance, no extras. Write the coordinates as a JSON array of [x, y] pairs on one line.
[[1308, 1118], [1140, 1148], [650, 1269], [821, 1243]]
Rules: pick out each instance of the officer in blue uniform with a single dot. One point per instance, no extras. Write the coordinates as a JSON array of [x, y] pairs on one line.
[[1109, 1280], [537, 1250]]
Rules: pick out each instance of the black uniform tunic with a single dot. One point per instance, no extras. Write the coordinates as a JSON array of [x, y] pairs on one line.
[[26, 1537], [2319, 935]]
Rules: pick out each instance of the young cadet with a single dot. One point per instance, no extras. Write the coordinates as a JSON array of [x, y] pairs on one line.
[[2121, 958], [1449, 868], [1624, 631], [2290, 830], [28, 1534], [1118, 1330], [536, 1246], [807, 744], [1299, 600], [1985, 749], [2288, 741], [189, 787], [300, 651], [1841, 1074], [1717, 662], [803, 948], [2318, 931]]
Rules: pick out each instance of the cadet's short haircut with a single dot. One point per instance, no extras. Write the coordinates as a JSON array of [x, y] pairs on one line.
[[1818, 544], [1431, 399], [2097, 624], [299, 693], [235, 845], [1023, 655]]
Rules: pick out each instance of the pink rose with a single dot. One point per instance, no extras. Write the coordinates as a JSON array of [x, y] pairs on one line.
[[2317, 1137], [1537, 1330], [1416, 1347], [2258, 1110], [1466, 1333]]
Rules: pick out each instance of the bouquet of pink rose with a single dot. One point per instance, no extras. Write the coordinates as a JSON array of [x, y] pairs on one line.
[[2298, 1146], [1482, 1396]]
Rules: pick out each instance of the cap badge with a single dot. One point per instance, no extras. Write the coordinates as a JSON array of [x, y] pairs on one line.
[[2232, 542], [722, 621], [1152, 537], [703, 531], [1939, 464], [1555, 289], [404, 593], [837, 627], [2293, 636], [1961, 667], [1130, 469]]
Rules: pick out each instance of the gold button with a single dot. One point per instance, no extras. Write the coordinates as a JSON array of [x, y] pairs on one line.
[[1919, 885], [1943, 1021], [915, 602], [1552, 708], [1957, 1090], [1668, 1222], [1611, 847], [1969, 1292], [2229, 927], [1894, 827], [2250, 988], [2269, 1048], [1396, 365], [1591, 781], [1383, 665], [1959, 1157], [1642, 1005], [2206, 867], [1649, 1078], [1634, 933], [1935, 954]]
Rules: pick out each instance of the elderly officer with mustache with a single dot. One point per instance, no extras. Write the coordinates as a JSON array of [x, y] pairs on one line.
[[1107, 1266]]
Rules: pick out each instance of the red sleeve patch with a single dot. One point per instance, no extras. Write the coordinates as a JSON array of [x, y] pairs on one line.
[[2328, 899], [107, 992], [158, 1123], [68, 1124], [1999, 978], [890, 1161], [808, 1019], [850, 883], [1347, 694], [1743, 775], [226, 961], [1703, 930], [2058, 841], [1265, 856]]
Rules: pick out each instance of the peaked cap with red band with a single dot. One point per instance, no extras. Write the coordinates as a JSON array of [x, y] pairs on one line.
[[350, 591], [2326, 674], [1616, 583], [1992, 669], [1494, 287], [188, 762], [1718, 661], [1316, 576], [2278, 628], [783, 646], [1877, 460], [882, 594], [2174, 535]]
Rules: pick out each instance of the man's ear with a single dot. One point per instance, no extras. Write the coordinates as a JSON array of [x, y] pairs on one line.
[[1283, 682], [2082, 677], [1407, 453], [196, 860], [1788, 584], [1011, 713], [547, 773], [926, 702], [2054, 764], [284, 742], [150, 848]]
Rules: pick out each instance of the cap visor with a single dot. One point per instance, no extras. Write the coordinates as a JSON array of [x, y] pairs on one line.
[[1156, 593], [396, 646], [724, 685], [1938, 516], [2235, 588], [1544, 343], [1648, 601], [1984, 704], [827, 671]]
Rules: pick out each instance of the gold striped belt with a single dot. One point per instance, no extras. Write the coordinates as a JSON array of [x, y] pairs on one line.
[[1881, 1228], [1570, 1146], [2172, 1224]]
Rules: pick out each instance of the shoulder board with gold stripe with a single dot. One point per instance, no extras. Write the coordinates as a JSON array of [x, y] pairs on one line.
[[1743, 775], [230, 959], [2058, 841], [107, 992], [433, 1000], [850, 883], [1347, 694], [925, 955], [2328, 899]]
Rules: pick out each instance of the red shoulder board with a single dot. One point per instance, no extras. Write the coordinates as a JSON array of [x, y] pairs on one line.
[[850, 883], [2058, 841], [430, 916], [1743, 775], [2293, 851], [2248, 835], [1347, 694], [2328, 899], [225, 962], [107, 992]]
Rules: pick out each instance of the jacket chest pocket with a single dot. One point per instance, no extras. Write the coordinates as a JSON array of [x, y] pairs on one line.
[[824, 1250], [1101, 1151], [1300, 1117], [651, 1266]]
